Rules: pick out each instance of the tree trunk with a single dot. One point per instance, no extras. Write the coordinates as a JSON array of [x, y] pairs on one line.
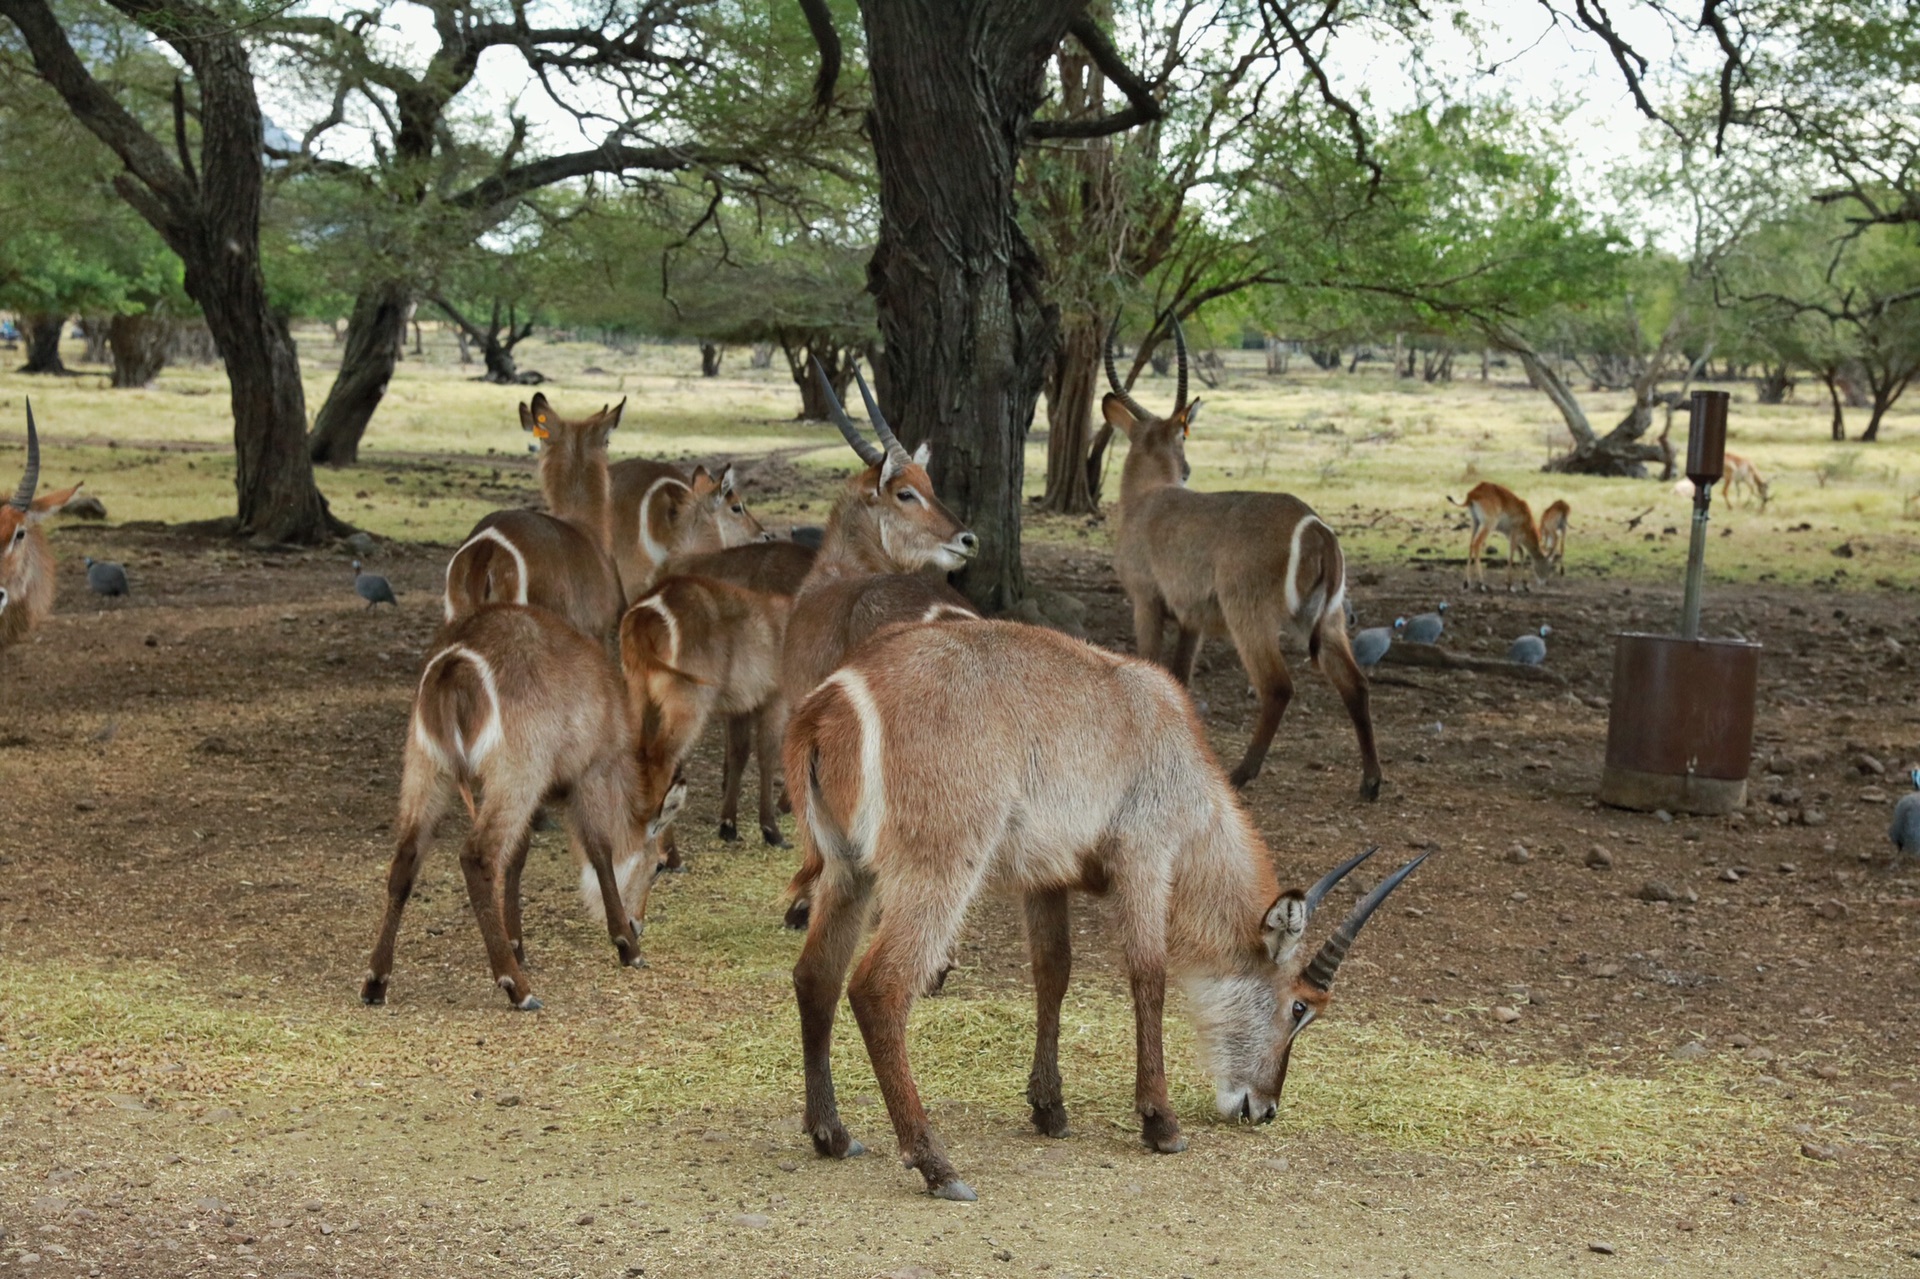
[[762, 357], [1838, 427], [139, 345], [710, 353], [801, 352], [375, 333], [1073, 484], [42, 332], [94, 329], [1887, 390], [960, 290], [1774, 385]]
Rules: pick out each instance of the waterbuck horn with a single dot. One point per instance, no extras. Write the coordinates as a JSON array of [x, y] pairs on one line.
[[1180, 350], [1333, 877], [868, 453], [23, 496], [900, 456], [1327, 962], [1113, 378]]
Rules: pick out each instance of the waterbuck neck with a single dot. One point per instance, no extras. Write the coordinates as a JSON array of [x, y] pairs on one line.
[[573, 478], [1223, 883], [1145, 471]]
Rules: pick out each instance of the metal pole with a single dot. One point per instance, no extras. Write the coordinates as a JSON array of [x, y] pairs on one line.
[[1696, 565]]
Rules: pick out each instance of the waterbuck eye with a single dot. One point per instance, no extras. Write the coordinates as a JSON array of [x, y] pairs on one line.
[[738, 509], [1299, 1010], [908, 495]]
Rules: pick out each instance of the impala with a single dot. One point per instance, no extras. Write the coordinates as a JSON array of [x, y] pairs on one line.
[[26, 559], [517, 701], [1553, 534], [947, 757], [1742, 473], [1243, 565], [1494, 509], [558, 560]]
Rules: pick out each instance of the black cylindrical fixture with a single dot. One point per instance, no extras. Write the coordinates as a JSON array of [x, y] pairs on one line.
[[1707, 439]]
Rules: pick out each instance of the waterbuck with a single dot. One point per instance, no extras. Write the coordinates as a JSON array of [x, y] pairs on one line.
[[558, 560], [1243, 565], [945, 758], [26, 560], [515, 700], [660, 513]]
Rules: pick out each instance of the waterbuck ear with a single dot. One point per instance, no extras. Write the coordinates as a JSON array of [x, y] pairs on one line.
[[890, 468], [49, 503], [1118, 416], [727, 481], [526, 417], [669, 807], [1188, 416], [611, 417], [1284, 925], [704, 485], [923, 454]]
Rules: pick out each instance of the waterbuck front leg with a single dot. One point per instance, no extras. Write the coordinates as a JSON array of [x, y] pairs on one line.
[[738, 731], [770, 730], [1143, 920], [1258, 640], [510, 895], [837, 910], [1050, 944], [1149, 620]]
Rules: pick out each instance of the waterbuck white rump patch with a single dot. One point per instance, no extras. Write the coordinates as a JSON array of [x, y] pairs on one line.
[[656, 551], [654, 604], [870, 810], [498, 538]]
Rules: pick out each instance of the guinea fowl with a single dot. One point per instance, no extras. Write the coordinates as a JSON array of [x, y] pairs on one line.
[[372, 587], [1530, 650], [104, 578], [1370, 645], [1426, 627], [1905, 831]]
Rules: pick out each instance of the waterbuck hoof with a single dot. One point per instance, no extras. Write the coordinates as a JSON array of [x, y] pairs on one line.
[[939, 983], [1370, 788], [955, 1190], [1162, 1133], [729, 832], [1050, 1120], [772, 838], [834, 1143], [797, 914], [373, 992], [630, 956], [1242, 775]]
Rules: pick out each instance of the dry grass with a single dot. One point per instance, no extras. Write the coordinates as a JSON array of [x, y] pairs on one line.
[[1374, 454]]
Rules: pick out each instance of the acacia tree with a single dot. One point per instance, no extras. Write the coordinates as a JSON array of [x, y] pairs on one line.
[[206, 206], [434, 185]]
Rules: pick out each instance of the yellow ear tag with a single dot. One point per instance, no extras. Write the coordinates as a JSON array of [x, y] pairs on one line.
[[540, 427]]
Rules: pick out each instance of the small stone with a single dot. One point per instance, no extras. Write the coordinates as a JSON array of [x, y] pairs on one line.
[[1606, 970], [1518, 896], [1815, 1150], [787, 1165], [1872, 795], [1598, 858], [326, 1228], [209, 1204], [1655, 891], [1684, 1224], [1737, 1199], [313, 1205], [584, 1219], [1788, 868], [507, 1099], [279, 1223], [1869, 766], [1730, 876], [1740, 1041], [1812, 817], [1504, 1014], [753, 1220], [1663, 816], [152, 640], [1692, 1050], [1519, 855], [85, 805], [220, 1115], [1604, 1249], [1278, 1163], [1832, 908], [1761, 1053], [1002, 1254]]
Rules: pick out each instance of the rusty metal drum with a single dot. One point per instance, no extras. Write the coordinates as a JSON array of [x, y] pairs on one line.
[[1680, 732]]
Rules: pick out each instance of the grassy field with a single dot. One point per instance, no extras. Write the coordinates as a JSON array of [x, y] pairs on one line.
[[1373, 453]]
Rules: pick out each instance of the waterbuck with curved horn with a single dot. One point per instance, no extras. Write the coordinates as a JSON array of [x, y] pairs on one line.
[[26, 560], [885, 529], [1242, 565], [945, 758]]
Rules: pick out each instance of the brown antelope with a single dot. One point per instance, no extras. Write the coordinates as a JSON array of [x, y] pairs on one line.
[[659, 513], [1244, 565], [885, 528], [522, 704], [771, 568], [1553, 534], [26, 559], [944, 758], [558, 560], [1742, 473], [1495, 509]]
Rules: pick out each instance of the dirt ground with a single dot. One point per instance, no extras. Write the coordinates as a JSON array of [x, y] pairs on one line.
[[195, 791]]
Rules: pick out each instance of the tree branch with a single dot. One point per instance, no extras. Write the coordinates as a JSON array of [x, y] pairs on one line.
[[820, 22], [535, 174], [1143, 106], [180, 130]]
